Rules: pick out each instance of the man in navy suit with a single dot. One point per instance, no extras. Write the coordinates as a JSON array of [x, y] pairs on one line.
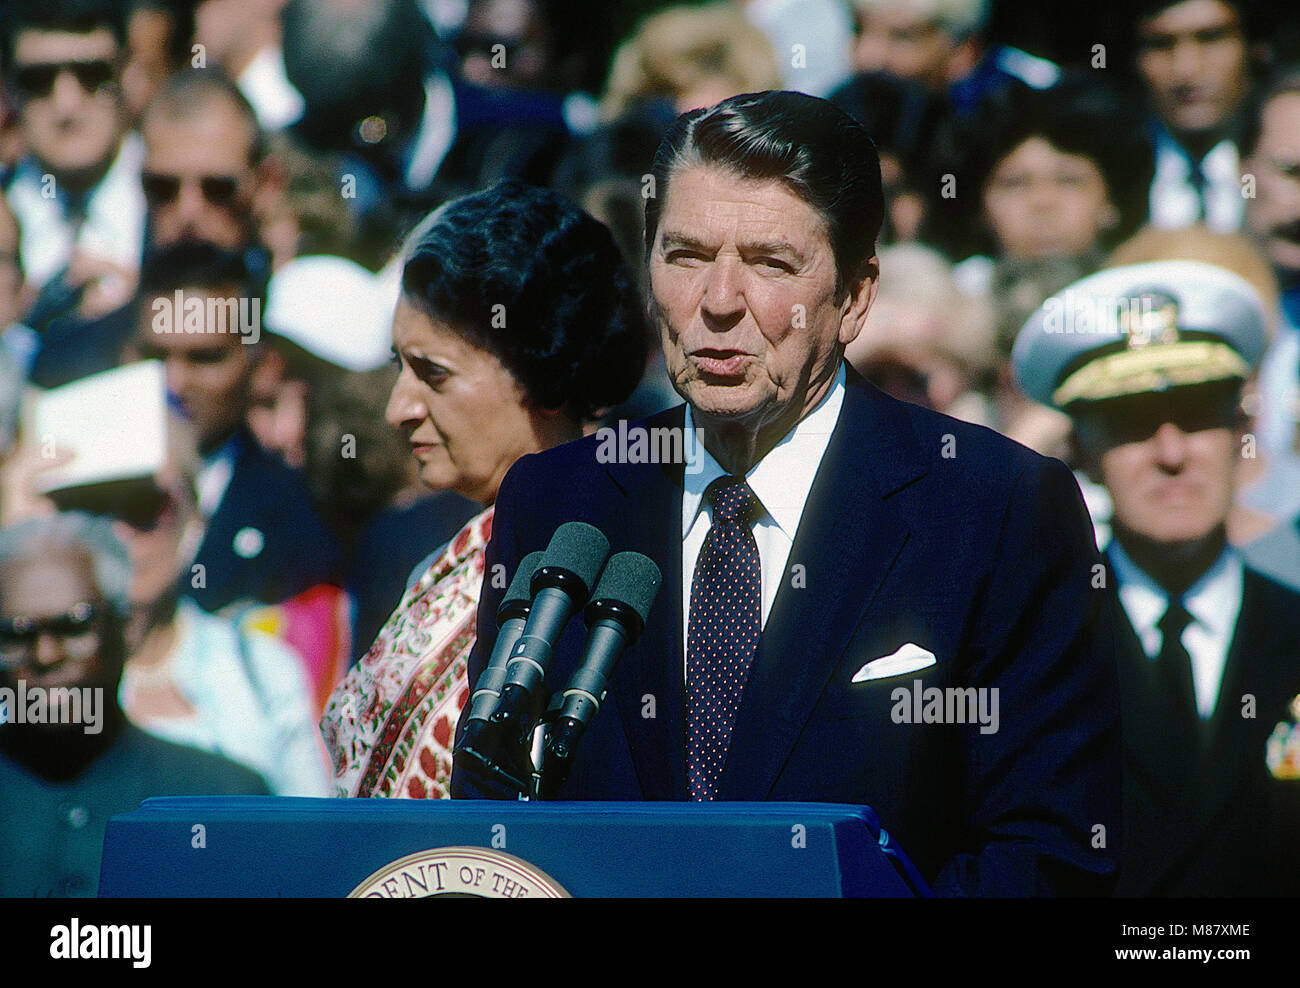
[[1209, 648], [264, 540], [840, 568]]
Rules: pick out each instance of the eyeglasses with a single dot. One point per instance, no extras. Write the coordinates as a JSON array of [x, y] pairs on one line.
[[77, 631], [37, 81], [162, 190], [1137, 419]]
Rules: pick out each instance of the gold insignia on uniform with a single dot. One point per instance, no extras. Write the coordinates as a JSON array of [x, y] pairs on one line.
[[1151, 317], [1282, 752]]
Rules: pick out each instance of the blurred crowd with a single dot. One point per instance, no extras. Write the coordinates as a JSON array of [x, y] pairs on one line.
[[282, 151]]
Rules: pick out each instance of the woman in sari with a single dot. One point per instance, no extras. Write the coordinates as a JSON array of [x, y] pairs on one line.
[[518, 323]]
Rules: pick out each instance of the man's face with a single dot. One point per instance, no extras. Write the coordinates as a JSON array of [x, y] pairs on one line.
[[743, 282], [1192, 57], [1273, 216], [148, 61], [198, 177], [1168, 460], [209, 373], [523, 58], [222, 25], [52, 624], [898, 41], [1042, 202], [70, 107]]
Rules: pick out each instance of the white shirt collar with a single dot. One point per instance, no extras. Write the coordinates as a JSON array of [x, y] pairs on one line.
[[436, 134], [782, 479], [1144, 600], [265, 84], [215, 474], [1213, 600]]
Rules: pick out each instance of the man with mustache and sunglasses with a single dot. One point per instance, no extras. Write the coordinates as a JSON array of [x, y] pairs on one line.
[[77, 193]]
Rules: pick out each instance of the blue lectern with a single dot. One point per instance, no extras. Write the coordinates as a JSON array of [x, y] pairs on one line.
[[267, 846]]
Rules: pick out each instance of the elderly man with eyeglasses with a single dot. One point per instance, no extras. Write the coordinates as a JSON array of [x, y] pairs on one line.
[[66, 767]]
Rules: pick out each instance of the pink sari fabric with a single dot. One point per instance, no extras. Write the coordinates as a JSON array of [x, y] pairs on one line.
[[390, 722]]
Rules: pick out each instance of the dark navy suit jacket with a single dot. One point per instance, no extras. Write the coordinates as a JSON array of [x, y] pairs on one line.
[[295, 550], [1232, 832], [984, 557]]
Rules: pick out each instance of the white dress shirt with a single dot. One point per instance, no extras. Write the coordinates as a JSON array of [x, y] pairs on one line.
[[781, 481], [112, 228], [1174, 202], [266, 86], [214, 476], [251, 698], [436, 135], [1214, 602]]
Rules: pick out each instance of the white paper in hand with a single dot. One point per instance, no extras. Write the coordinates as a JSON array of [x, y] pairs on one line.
[[115, 423]]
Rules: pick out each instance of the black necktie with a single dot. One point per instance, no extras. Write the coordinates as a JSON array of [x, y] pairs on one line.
[[722, 637], [1196, 178], [1175, 668]]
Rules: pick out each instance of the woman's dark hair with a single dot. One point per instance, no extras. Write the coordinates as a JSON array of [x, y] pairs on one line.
[[1076, 116], [818, 151], [529, 277]]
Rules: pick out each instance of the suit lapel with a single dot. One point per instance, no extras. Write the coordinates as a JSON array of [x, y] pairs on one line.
[[1231, 750], [851, 532], [1148, 719], [237, 509], [650, 522], [1166, 774]]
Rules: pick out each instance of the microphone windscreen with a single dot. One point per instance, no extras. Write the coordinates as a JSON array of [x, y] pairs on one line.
[[519, 586], [579, 549], [631, 579]]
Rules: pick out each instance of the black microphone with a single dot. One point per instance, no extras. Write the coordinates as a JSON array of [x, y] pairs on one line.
[[512, 616], [561, 585], [615, 617]]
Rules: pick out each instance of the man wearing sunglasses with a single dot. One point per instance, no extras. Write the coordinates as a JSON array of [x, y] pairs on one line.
[[203, 162], [1149, 361], [63, 595], [76, 194]]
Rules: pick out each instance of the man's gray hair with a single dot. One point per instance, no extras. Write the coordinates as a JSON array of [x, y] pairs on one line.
[[79, 532]]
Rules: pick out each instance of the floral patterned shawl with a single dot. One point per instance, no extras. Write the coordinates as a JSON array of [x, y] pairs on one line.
[[389, 723]]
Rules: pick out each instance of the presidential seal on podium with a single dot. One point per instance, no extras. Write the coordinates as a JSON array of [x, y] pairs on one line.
[[475, 872]]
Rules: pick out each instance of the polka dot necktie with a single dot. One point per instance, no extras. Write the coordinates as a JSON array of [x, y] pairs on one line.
[[722, 638]]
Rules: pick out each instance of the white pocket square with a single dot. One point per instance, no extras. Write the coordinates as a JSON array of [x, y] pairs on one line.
[[909, 658]]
